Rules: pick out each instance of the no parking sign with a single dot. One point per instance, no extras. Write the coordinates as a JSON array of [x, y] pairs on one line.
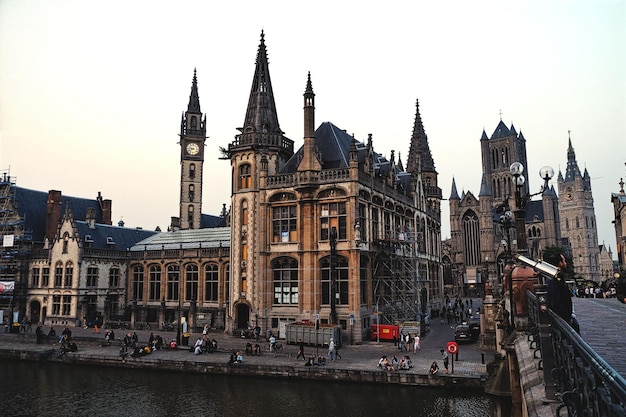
[[452, 347]]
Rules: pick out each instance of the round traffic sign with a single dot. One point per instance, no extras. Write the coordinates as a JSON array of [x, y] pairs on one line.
[[452, 347]]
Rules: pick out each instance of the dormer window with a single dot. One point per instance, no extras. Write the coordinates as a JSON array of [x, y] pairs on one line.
[[110, 241]]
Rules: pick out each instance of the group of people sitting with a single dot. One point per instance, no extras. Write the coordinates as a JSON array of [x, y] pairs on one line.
[[253, 350], [235, 357], [320, 361], [204, 345], [394, 364]]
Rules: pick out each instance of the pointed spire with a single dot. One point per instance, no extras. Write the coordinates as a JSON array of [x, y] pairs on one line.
[[261, 115], [194, 99], [454, 195], [484, 187], [572, 171], [420, 158]]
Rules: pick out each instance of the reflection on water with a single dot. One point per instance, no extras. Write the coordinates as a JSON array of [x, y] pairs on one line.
[[30, 389]]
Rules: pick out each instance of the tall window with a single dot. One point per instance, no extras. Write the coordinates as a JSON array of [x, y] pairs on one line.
[[173, 280], [58, 274], [341, 271], [92, 276], [190, 214], [66, 240], [56, 305], [67, 303], [137, 283], [155, 282], [210, 282], [375, 223], [191, 282], [245, 179], [35, 277], [471, 238], [285, 272], [69, 274], [192, 192], [284, 224], [244, 212], [333, 215], [114, 277], [45, 277], [192, 171]]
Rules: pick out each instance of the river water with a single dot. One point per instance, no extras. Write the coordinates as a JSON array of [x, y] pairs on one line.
[[52, 389]]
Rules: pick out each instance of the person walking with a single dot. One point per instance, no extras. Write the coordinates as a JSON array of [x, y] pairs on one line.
[[331, 349], [416, 343], [444, 356], [301, 350]]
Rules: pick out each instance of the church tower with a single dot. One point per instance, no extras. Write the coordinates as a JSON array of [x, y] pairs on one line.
[[258, 151], [578, 219], [192, 138]]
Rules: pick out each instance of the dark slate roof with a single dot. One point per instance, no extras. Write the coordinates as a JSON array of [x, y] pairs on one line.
[[32, 207], [534, 208], [186, 239], [333, 144], [104, 236], [501, 131], [209, 221], [484, 187], [454, 195]]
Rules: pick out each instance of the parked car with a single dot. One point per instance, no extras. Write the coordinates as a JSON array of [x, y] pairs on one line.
[[462, 334], [474, 325]]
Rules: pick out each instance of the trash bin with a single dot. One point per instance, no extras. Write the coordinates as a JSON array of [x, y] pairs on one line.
[[15, 328], [185, 340]]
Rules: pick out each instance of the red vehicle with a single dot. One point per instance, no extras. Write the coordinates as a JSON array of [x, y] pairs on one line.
[[384, 332]]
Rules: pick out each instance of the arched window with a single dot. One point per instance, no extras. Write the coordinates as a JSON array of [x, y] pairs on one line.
[[244, 212], [341, 278], [137, 283], [211, 286], [192, 171], [191, 282], [58, 274], [194, 122], [577, 222], [192, 194], [155, 282], [285, 272], [190, 213], [471, 238], [245, 177], [69, 274], [66, 239], [173, 281]]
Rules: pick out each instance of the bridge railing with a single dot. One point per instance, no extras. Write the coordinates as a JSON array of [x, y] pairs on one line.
[[585, 384]]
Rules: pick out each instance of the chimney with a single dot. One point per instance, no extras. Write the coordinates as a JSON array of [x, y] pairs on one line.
[[105, 206], [53, 214]]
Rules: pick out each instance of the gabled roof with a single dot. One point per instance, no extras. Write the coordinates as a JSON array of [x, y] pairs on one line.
[[210, 221], [104, 236], [32, 207], [186, 239], [534, 208]]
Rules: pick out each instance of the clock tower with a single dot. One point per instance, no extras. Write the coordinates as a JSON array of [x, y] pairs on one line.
[[192, 138]]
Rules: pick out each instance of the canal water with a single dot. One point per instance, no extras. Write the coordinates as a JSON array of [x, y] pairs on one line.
[[52, 389]]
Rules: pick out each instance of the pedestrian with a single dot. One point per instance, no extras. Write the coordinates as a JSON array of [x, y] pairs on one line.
[[301, 350], [331, 349], [559, 295], [620, 289], [444, 356], [416, 343]]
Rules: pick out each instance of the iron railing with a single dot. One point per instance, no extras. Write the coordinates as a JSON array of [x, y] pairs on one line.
[[585, 384]]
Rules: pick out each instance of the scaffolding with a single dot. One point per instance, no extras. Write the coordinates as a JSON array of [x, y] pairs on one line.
[[16, 242], [397, 283]]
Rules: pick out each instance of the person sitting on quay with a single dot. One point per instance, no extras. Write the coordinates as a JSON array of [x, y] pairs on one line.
[[52, 332], [197, 347], [321, 361], [405, 363], [248, 349], [310, 361], [108, 336], [239, 357], [39, 334], [394, 363], [434, 368], [256, 350], [157, 342]]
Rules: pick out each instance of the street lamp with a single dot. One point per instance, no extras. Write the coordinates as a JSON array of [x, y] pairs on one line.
[[333, 278]]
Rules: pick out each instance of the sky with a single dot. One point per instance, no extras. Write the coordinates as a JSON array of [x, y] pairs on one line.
[[92, 93]]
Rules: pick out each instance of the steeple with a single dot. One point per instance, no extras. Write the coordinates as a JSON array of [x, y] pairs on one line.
[[572, 171], [309, 161], [484, 187], [454, 194], [420, 158], [194, 99], [261, 116]]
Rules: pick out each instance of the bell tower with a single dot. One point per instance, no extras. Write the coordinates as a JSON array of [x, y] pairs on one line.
[[192, 138]]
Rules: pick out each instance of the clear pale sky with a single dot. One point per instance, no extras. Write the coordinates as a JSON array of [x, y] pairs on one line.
[[91, 93]]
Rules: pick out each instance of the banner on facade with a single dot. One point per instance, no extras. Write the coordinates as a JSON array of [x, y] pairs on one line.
[[7, 241], [7, 287]]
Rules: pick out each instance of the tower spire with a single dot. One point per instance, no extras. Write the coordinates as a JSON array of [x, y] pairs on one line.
[[420, 158], [194, 98], [572, 171], [261, 115]]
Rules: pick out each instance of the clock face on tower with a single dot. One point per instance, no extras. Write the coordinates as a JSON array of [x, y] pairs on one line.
[[193, 149]]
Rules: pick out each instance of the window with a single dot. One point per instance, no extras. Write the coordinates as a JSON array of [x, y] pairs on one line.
[[192, 171], [190, 214], [245, 179], [191, 282], [284, 224], [285, 272], [35, 273], [341, 274], [244, 212], [45, 277], [210, 282], [137, 283], [333, 215], [191, 192], [173, 279], [69, 274], [92, 276], [58, 274], [375, 223], [56, 305], [67, 303], [155, 282], [66, 239], [114, 277]]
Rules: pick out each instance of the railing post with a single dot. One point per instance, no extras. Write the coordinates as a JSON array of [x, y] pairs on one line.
[[545, 343]]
